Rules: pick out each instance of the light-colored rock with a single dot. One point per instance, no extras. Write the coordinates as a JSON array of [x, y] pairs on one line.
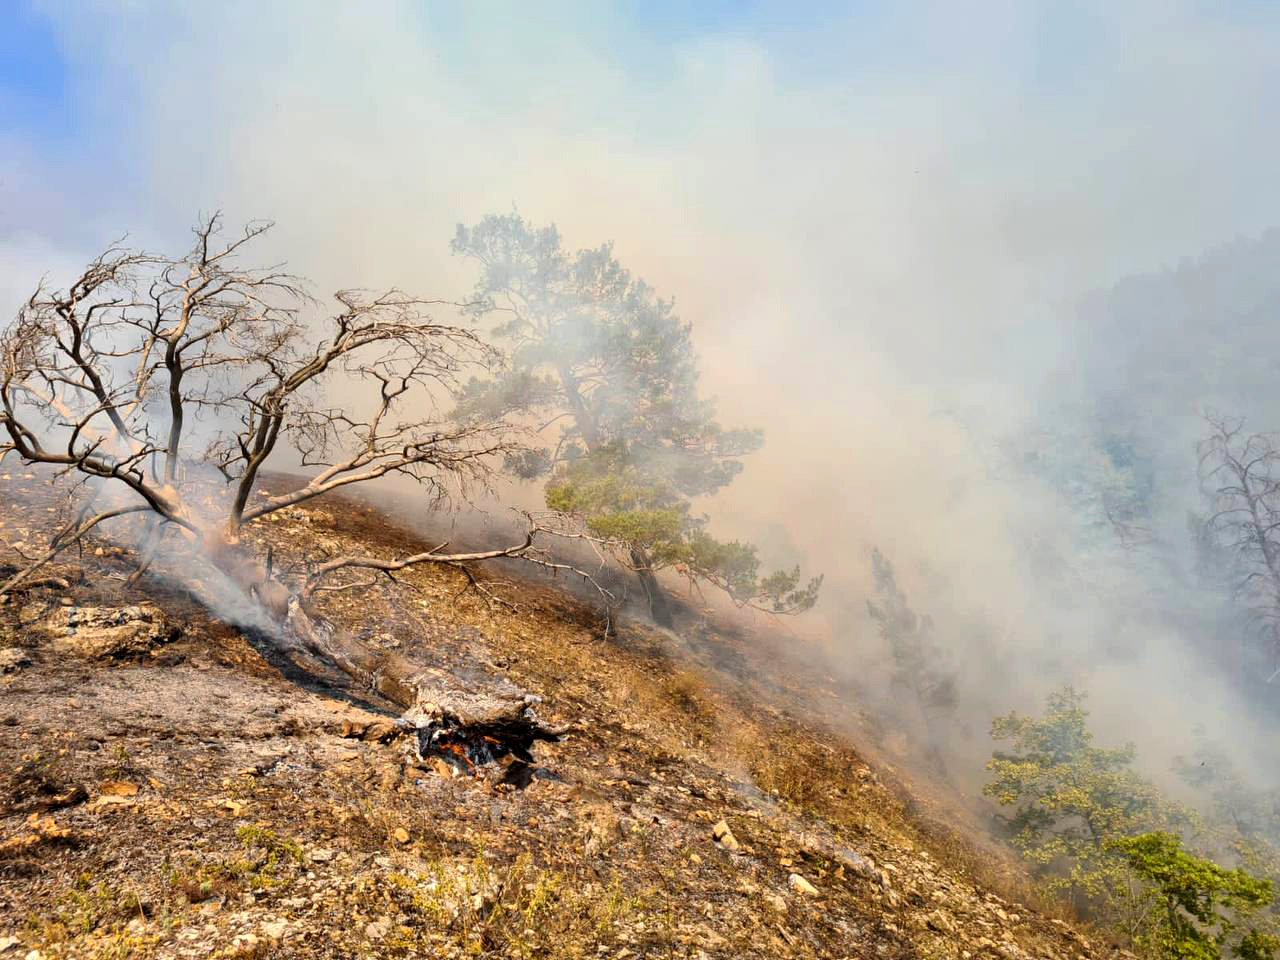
[[102, 632], [319, 855], [118, 788], [941, 921], [13, 659], [724, 836], [801, 885], [276, 930]]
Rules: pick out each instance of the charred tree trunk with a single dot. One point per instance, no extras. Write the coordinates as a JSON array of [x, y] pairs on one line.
[[495, 713], [659, 604]]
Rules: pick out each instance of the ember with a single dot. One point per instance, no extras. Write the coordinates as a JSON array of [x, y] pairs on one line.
[[470, 731], [466, 748]]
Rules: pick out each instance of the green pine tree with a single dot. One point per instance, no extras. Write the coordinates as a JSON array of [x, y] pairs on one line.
[[598, 357]]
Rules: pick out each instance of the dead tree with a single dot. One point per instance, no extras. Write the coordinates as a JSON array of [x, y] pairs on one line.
[[1240, 478], [165, 385]]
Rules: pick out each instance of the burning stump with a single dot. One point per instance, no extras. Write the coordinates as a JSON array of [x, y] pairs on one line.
[[470, 728], [468, 722]]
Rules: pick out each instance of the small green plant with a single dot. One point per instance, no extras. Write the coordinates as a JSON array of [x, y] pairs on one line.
[[516, 910], [278, 848], [119, 766], [89, 907], [199, 881]]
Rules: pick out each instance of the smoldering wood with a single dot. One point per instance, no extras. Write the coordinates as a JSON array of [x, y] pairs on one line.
[[468, 722]]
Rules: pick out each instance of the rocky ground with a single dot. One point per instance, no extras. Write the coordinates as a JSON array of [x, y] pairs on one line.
[[171, 787]]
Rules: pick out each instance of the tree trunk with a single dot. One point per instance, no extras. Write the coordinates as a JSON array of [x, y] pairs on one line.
[[659, 605], [430, 701]]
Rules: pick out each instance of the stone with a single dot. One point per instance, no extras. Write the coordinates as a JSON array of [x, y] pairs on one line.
[[110, 800], [777, 902], [13, 659], [319, 855], [940, 921], [378, 929], [724, 836], [276, 930], [118, 788], [800, 885], [380, 731], [401, 835], [98, 633]]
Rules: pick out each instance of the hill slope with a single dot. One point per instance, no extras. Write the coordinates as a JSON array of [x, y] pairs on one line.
[[191, 794]]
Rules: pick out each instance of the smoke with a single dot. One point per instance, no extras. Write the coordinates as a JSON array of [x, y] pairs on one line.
[[883, 223]]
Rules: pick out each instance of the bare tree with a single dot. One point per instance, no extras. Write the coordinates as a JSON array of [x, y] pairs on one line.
[[164, 386], [1240, 477]]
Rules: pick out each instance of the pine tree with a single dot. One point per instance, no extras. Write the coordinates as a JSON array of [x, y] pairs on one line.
[[599, 357]]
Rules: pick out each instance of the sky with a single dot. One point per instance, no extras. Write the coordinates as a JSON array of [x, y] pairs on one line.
[[878, 216]]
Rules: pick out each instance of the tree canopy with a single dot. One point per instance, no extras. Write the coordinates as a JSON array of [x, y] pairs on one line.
[[608, 369]]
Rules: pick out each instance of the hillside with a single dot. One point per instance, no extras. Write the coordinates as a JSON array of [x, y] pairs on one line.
[[179, 790]]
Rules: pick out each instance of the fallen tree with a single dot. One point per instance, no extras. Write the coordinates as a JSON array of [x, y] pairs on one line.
[[162, 386]]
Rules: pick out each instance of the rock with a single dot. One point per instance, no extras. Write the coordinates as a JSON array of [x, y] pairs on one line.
[[378, 929], [940, 921], [401, 835], [319, 855], [275, 931], [7, 942], [104, 632], [371, 731], [117, 788], [775, 901], [13, 659], [800, 885], [380, 731], [109, 800], [724, 836]]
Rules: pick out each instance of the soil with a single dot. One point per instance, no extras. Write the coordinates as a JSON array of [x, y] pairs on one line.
[[207, 797]]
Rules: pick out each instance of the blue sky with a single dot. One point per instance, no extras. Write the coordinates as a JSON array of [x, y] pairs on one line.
[[33, 83]]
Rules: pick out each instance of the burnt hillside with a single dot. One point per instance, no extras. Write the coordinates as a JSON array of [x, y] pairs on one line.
[[171, 786]]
